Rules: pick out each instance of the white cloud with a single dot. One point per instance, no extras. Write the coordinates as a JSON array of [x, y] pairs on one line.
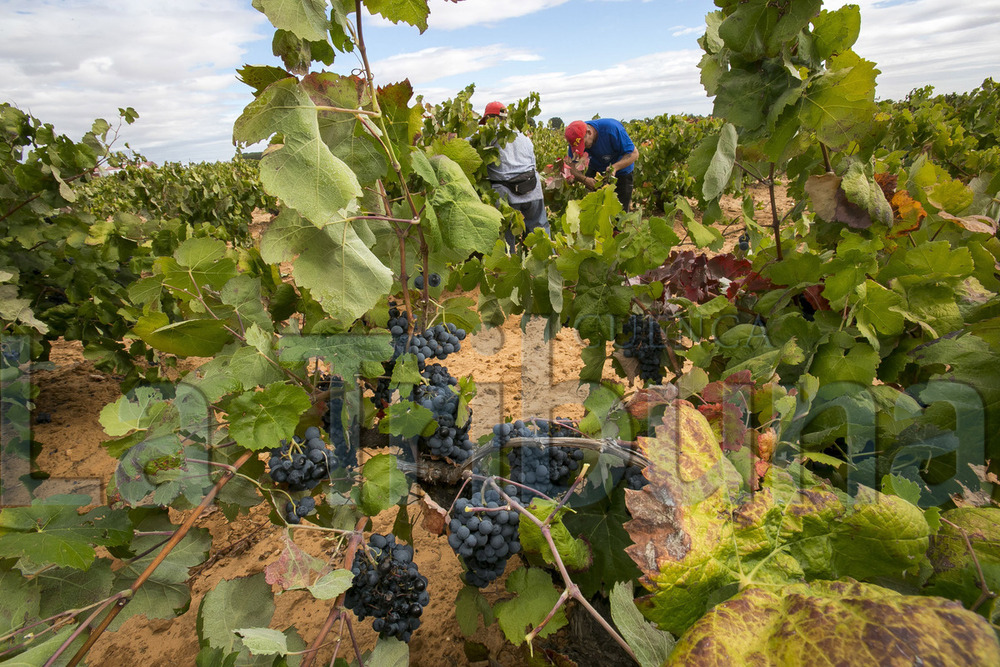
[[950, 45], [438, 62], [680, 31], [447, 15], [657, 83], [70, 62]]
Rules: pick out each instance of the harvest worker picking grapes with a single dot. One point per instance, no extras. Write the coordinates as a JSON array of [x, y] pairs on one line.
[[514, 176], [608, 145]]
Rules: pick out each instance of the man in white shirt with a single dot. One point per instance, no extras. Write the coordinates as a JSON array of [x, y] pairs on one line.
[[515, 178]]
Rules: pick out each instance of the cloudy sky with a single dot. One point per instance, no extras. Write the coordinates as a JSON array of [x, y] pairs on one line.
[[70, 61]]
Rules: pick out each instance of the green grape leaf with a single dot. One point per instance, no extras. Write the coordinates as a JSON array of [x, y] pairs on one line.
[[836, 31], [331, 584], [390, 652], [838, 102], [189, 338], [834, 363], [384, 486], [652, 647], [574, 552], [956, 574], [139, 410], [305, 18], [839, 616], [303, 173], [407, 419], [244, 295], [197, 263], [166, 593], [599, 518], [413, 12], [469, 606], [237, 603], [345, 353], [339, 270], [15, 309], [461, 151], [264, 641], [865, 193], [875, 309], [535, 598], [63, 589], [261, 419], [52, 532], [466, 224], [720, 168]]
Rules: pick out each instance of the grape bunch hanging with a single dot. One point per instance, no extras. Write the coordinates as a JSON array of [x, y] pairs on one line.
[[388, 587], [484, 540], [303, 463], [449, 440], [345, 455], [642, 340]]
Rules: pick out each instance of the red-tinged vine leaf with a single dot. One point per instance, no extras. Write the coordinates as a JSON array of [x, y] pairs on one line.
[[294, 568], [535, 596], [727, 421], [646, 400], [845, 622], [907, 212], [696, 276], [831, 204], [956, 575], [435, 517], [795, 527], [53, 532]]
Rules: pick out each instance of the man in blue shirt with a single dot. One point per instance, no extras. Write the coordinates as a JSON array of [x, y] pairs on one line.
[[608, 145], [515, 178]]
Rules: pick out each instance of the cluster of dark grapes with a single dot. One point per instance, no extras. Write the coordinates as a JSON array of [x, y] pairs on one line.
[[744, 242], [546, 469], [484, 540], [433, 280], [642, 340], [436, 343], [302, 464], [344, 454], [634, 479], [388, 587], [295, 510], [449, 440]]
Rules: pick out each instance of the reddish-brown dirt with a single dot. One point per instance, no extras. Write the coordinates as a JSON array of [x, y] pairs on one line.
[[512, 370]]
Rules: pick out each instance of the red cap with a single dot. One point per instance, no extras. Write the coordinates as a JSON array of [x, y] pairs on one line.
[[493, 109], [575, 134]]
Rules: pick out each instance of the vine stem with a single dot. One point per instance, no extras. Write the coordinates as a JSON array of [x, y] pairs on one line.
[[147, 573], [571, 589], [86, 622], [986, 593], [774, 214], [335, 611]]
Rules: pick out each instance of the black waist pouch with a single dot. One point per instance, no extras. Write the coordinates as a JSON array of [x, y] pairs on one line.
[[521, 184]]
